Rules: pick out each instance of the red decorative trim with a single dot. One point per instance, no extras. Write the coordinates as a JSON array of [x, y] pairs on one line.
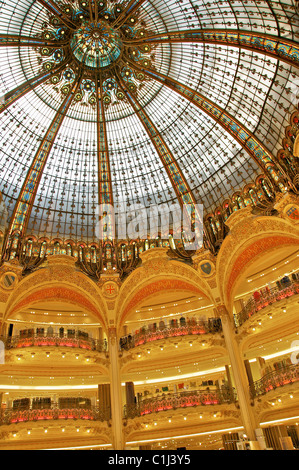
[[58, 293], [159, 286], [255, 249]]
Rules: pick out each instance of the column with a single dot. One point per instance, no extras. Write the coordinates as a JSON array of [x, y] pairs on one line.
[[116, 395], [229, 380], [249, 375], [239, 373]]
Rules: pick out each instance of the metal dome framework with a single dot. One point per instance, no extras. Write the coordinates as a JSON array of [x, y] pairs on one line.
[[147, 102]]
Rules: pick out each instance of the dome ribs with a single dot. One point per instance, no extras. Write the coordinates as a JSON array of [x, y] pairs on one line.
[[13, 95], [273, 46], [175, 174], [241, 134], [13, 40], [22, 211], [104, 172]]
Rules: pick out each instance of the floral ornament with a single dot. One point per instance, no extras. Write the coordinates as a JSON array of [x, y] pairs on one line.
[[96, 49]]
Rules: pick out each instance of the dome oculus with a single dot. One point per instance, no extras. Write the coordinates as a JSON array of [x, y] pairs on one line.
[[96, 45]]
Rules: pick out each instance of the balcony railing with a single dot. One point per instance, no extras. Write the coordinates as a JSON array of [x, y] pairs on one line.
[[147, 335], [173, 401], [11, 416], [269, 297], [277, 378], [19, 341]]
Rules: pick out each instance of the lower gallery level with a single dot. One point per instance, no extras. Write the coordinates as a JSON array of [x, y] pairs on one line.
[[200, 355]]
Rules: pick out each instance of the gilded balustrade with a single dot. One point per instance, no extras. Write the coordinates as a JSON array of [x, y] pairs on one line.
[[276, 378], [192, 327], [20, 341], [268, 297], [11, 416], [173, 401]]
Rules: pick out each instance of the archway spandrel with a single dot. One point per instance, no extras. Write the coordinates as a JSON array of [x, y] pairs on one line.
[[53, 293], [251, 230], [54, 277]]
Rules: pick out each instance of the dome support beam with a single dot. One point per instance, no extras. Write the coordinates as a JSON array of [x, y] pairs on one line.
[[131, 7], [175, 174], [53, 8], [273, 46], [238, 131], [23, 207], [104, 172], [12, 96], [12, 40]]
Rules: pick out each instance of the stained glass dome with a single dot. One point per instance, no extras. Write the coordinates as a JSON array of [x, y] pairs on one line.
[[147, 102], [96, 45]]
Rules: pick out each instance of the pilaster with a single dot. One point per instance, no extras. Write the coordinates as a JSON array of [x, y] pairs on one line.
[[239, 373], [115, 388]]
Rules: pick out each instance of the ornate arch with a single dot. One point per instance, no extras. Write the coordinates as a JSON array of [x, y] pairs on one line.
[[58, 281], [249, 237], [157, 273]]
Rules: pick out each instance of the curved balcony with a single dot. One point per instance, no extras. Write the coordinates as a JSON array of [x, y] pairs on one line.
[[149, 334], [268, 297], [31, 340], [11, 416], [277, 378], [173, 401]]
